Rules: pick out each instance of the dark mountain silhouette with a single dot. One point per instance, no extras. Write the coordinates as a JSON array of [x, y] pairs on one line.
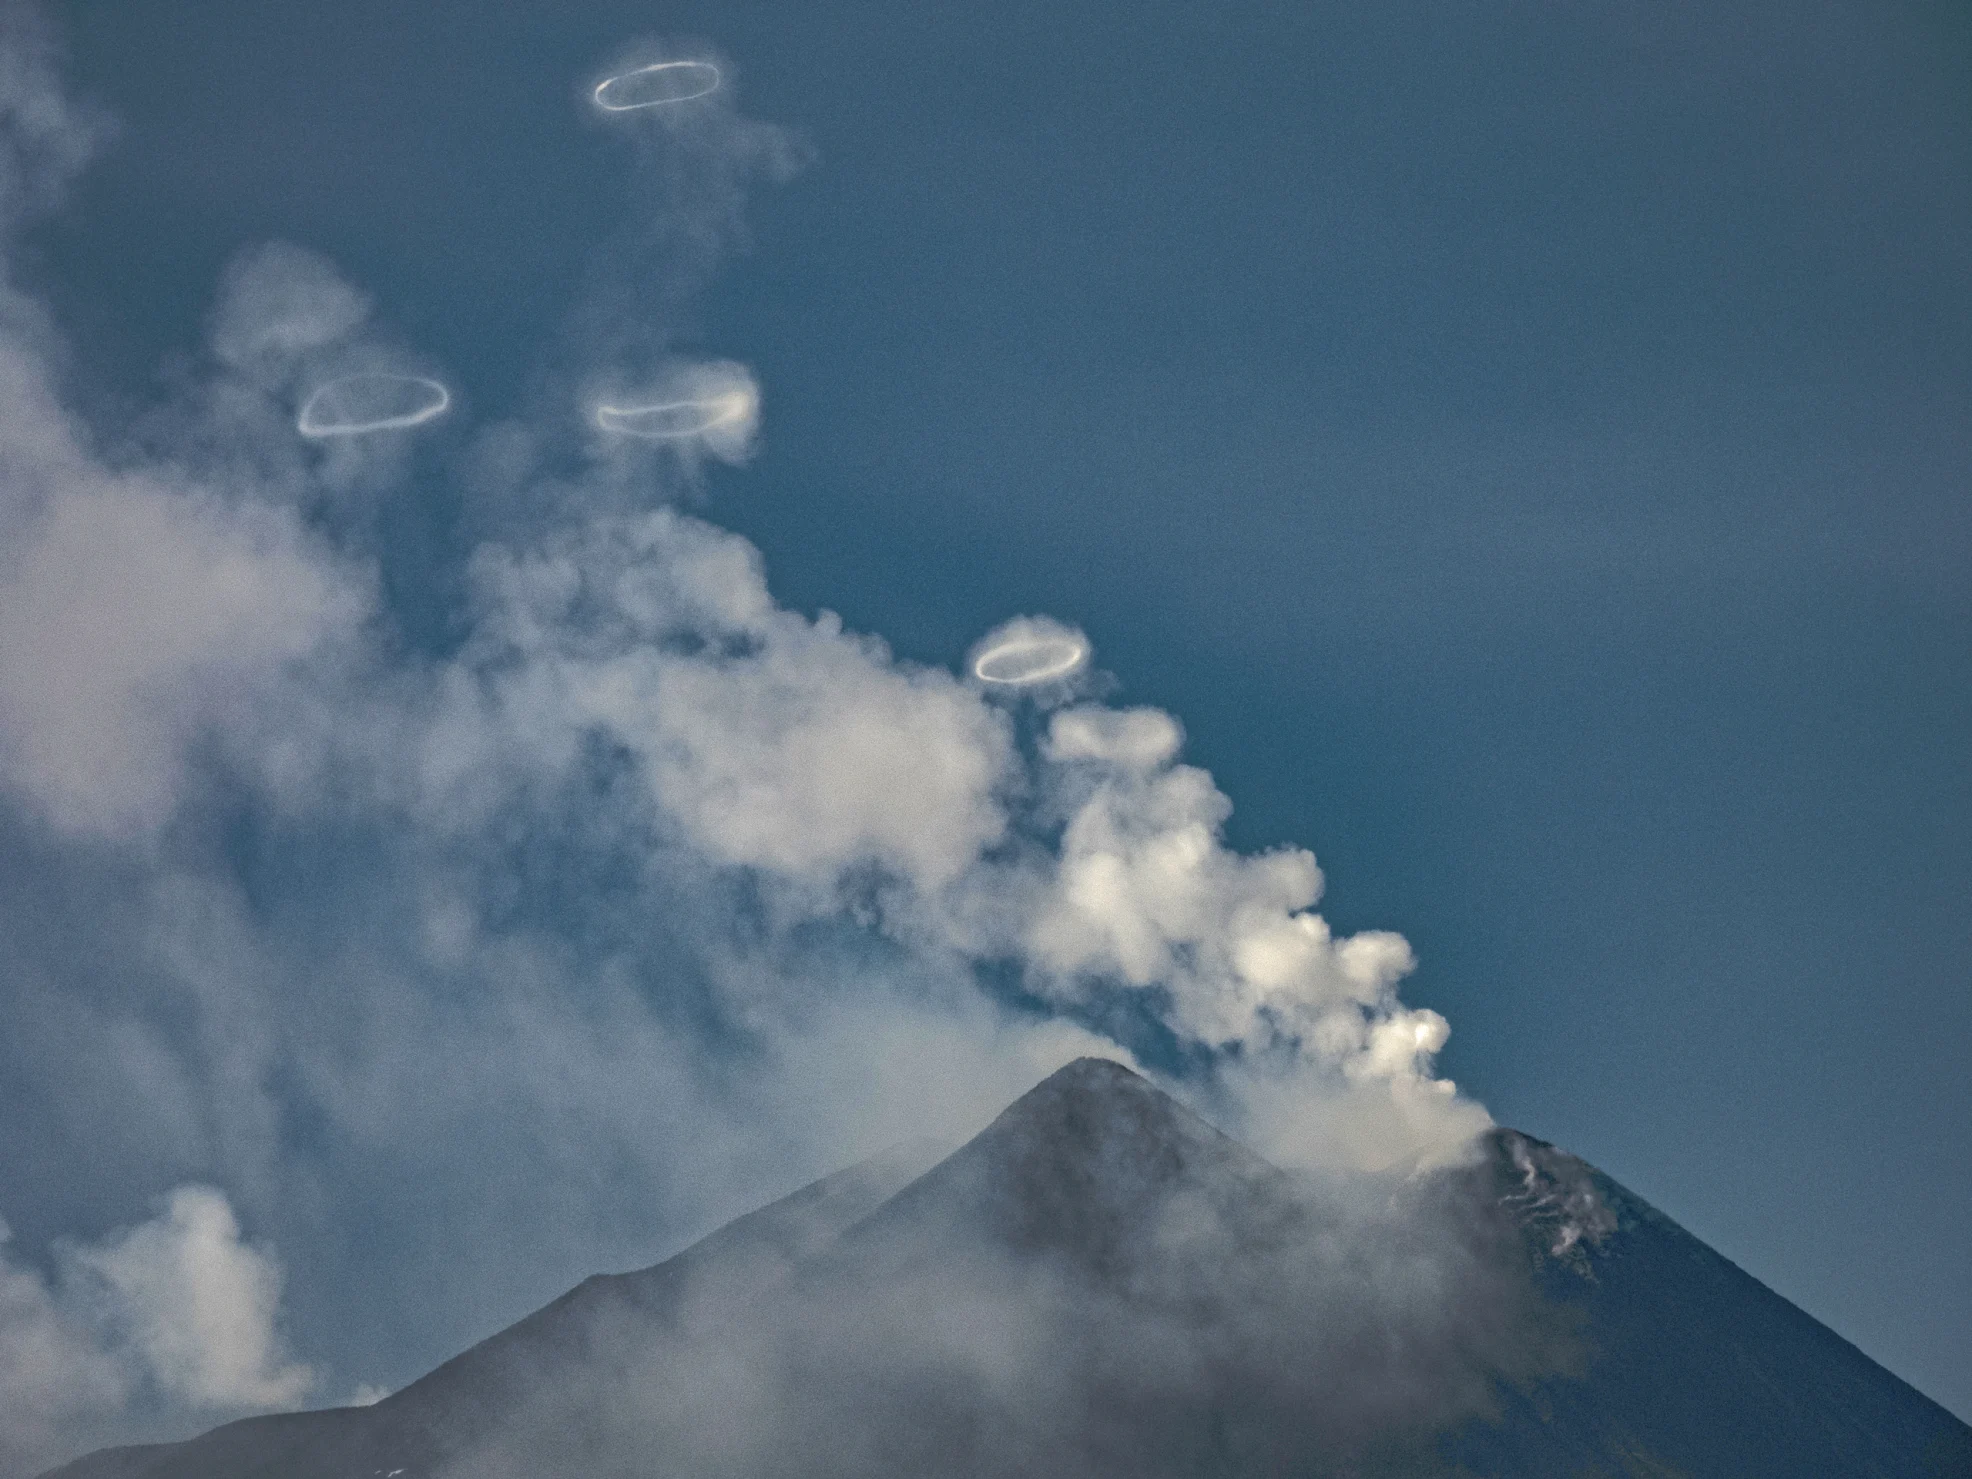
[[1100, 1283]]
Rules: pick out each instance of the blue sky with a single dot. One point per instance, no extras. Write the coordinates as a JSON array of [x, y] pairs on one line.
[[1525, 446]]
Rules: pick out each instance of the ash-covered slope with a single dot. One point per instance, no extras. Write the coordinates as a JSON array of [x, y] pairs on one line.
[[1100, 1283]]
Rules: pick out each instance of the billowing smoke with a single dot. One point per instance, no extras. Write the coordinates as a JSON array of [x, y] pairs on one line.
[[469, 966]]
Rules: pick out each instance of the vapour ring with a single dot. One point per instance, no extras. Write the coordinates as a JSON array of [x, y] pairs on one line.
[[321, 417], [1027, 660], [673, 420], [666, 82]]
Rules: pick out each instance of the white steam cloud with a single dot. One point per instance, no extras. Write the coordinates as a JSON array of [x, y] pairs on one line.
[[199, 1305], [177, 1308], [667, 894]]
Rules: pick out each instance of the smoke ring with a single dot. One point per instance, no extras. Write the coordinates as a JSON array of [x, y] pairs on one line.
[[355, 405], [656, 85], [1024, 660], [673, 420]]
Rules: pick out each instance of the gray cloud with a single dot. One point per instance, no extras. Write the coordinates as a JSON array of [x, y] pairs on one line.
[[279, 303], [55, 1381], [48, 134]]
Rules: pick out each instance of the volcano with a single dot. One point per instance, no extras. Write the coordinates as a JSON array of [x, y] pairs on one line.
[[1100, 1283]]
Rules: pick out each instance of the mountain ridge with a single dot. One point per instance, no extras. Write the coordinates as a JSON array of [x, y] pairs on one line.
[[1101, 1282]]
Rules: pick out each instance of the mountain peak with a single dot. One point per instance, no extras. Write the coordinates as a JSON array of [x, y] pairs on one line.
[[1093, 1100], [1100, 1093], [1094, 1072], [1081, 1166]]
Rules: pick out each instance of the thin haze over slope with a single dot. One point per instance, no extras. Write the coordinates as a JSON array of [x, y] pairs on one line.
[[381, 954]]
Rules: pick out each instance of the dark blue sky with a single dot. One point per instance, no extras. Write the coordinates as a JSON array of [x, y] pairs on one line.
[[1526, 444]]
